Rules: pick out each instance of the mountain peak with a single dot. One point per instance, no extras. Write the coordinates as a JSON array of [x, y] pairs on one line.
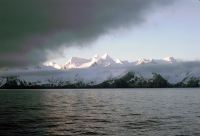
[[143, 61], [75, 62], [105, 56], [170, 59]]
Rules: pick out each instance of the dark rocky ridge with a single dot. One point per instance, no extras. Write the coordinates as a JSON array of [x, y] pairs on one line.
[[130, 80]]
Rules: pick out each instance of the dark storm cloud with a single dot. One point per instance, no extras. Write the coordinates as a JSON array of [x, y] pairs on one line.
[[29, 27]]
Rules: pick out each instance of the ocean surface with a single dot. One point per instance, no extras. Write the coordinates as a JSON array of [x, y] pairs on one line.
[[111, 112]]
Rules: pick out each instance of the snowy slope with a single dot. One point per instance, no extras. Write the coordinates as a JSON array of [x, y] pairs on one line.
[[2, 81], [76, 62], [104, 60]]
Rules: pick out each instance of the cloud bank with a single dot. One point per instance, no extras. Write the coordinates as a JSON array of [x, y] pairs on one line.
[[29, 27]]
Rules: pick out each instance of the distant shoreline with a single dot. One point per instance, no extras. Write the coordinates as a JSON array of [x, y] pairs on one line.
[[127, 81]]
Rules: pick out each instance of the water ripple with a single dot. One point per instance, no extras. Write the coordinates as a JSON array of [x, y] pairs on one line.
[[100, 112]]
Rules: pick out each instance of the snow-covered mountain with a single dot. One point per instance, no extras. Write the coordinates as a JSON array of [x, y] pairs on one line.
[[99, 69], [76, 62], [104, 61], [167, 60], [170, 60]]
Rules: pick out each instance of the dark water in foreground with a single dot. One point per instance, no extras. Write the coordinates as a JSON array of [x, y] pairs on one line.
[[151, 112]]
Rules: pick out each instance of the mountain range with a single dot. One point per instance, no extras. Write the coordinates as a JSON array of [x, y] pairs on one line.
[[104, 71], [105, 60]]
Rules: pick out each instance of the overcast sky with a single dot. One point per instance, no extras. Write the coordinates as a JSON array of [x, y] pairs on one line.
[[33, 31]]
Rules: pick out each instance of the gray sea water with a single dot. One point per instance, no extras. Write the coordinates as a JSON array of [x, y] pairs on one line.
[[119, 112]]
